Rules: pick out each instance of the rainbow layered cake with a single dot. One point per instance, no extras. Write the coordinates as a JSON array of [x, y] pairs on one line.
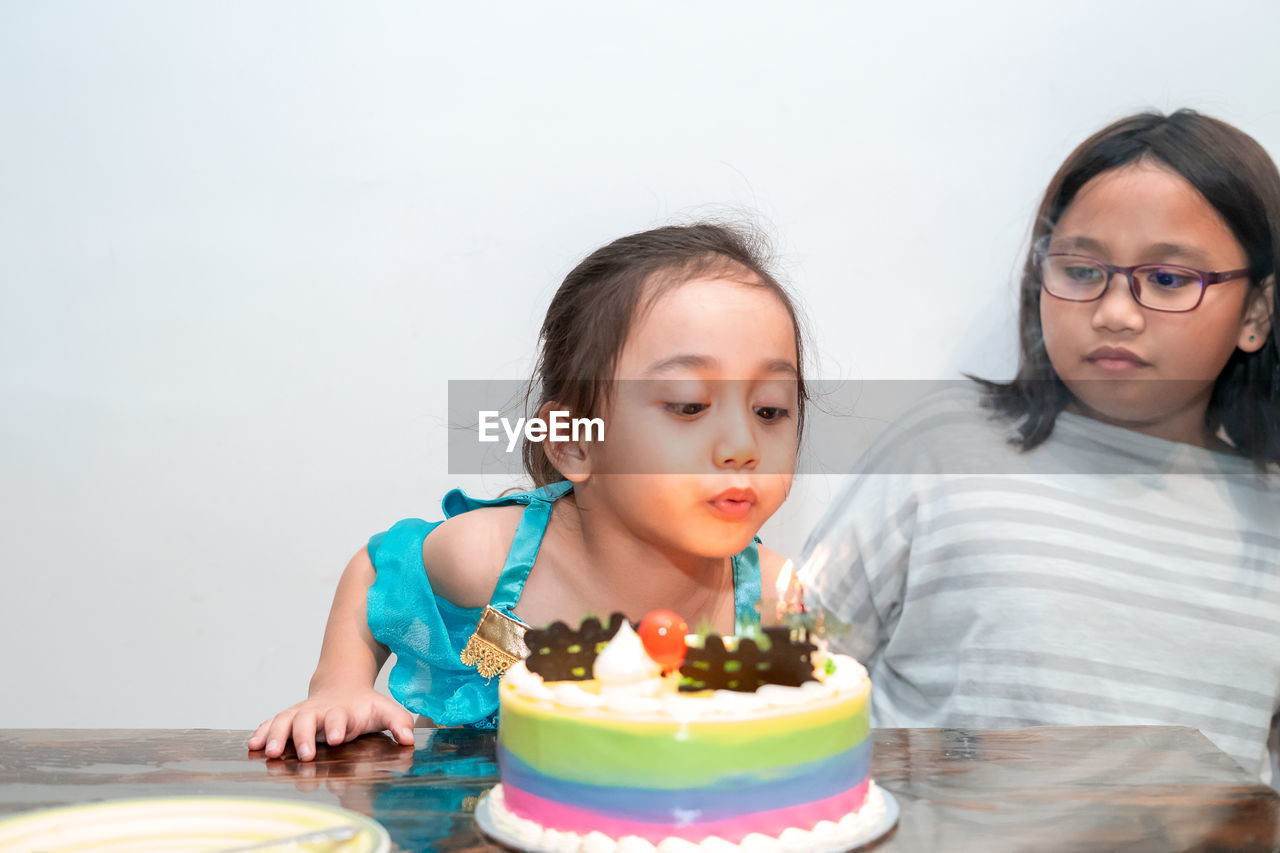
[[763, 745]]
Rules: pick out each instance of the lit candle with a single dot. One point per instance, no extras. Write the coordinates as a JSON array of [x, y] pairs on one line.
[[790, 592]]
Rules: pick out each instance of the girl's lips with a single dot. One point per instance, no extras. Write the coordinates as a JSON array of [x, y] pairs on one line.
[[1115, 359], [733, 504]]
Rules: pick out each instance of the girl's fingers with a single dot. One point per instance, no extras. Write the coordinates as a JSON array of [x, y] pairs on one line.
[[335, 727], [259, 736], [304, 735], [278, 733], [336, 724], [392, 715]]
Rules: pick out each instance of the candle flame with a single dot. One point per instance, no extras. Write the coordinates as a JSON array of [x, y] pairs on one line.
[[789, 592], [785, 576]]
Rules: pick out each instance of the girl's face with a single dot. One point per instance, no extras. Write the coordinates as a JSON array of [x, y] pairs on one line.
[[700, 433], [1147, 370]]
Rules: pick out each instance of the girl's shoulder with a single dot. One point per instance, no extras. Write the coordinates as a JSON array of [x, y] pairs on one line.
[[930, 428], [465, 554]]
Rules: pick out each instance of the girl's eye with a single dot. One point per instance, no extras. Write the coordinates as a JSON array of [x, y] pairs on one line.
[[686, 410], [1169, 279], [769, 414], [1083, 273]]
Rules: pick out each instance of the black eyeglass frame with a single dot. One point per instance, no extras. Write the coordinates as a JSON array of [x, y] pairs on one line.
[[1207, 279]]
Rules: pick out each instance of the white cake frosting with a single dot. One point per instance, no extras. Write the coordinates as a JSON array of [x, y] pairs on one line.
[[825, 837], [847, 675]]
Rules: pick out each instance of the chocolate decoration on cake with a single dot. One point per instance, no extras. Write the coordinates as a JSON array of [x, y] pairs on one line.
[[561, 653], [713, 667]]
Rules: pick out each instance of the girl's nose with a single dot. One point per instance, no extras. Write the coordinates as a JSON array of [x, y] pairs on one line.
[[1117, 310], [736, 446]]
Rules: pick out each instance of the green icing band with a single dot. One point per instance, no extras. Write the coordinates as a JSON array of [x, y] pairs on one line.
[[580, 747]]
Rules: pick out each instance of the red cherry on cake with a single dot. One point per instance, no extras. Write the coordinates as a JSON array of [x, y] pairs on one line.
[[662, 633]]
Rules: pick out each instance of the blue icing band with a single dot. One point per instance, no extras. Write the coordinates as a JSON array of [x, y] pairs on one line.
[[730, 797]]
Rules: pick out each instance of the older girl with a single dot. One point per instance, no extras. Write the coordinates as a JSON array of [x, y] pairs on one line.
[[1101, 544]]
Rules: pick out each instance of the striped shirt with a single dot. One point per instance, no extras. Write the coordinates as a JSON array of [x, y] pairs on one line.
[[1104, 578]]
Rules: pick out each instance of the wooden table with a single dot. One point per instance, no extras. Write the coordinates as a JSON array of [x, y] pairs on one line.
[[1047, 789]]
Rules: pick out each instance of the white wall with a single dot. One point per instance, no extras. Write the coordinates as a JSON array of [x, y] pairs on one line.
[[243, 246]]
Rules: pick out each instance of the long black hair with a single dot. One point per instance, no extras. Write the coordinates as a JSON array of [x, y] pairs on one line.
[[1237, 177]]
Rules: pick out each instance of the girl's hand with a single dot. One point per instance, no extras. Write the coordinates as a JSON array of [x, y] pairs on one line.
[[340, 715]]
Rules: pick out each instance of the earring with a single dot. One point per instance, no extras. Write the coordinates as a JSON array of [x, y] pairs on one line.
[[1251, 337]]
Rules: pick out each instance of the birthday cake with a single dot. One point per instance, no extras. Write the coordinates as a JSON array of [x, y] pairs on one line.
[[758, 743]]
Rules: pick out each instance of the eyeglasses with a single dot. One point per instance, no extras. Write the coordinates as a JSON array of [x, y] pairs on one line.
[[1160, 287]]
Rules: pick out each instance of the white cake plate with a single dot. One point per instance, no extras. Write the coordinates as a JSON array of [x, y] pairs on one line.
[[185, 824], [861, 837]]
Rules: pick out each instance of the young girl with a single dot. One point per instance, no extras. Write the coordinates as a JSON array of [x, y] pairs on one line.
[[1101, 545], [690, 352]]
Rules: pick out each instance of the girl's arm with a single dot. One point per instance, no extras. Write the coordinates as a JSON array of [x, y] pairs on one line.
[[341, 701]]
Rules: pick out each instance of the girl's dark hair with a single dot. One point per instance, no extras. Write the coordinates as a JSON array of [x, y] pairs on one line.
[[592, 312], [1235, 175]]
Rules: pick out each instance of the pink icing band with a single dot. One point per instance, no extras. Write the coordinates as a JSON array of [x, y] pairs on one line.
[[569, 819]]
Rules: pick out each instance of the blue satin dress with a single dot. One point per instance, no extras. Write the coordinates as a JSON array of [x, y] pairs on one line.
[[427, 633]]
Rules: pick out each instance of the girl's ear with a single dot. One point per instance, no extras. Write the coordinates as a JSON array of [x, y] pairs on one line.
[[571, 458], [1257, 317]]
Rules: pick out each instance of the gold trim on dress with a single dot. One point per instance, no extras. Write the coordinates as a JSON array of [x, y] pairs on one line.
[[497, 643]]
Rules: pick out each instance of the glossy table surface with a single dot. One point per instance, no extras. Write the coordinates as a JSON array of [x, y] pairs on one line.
[[1110, 788]]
